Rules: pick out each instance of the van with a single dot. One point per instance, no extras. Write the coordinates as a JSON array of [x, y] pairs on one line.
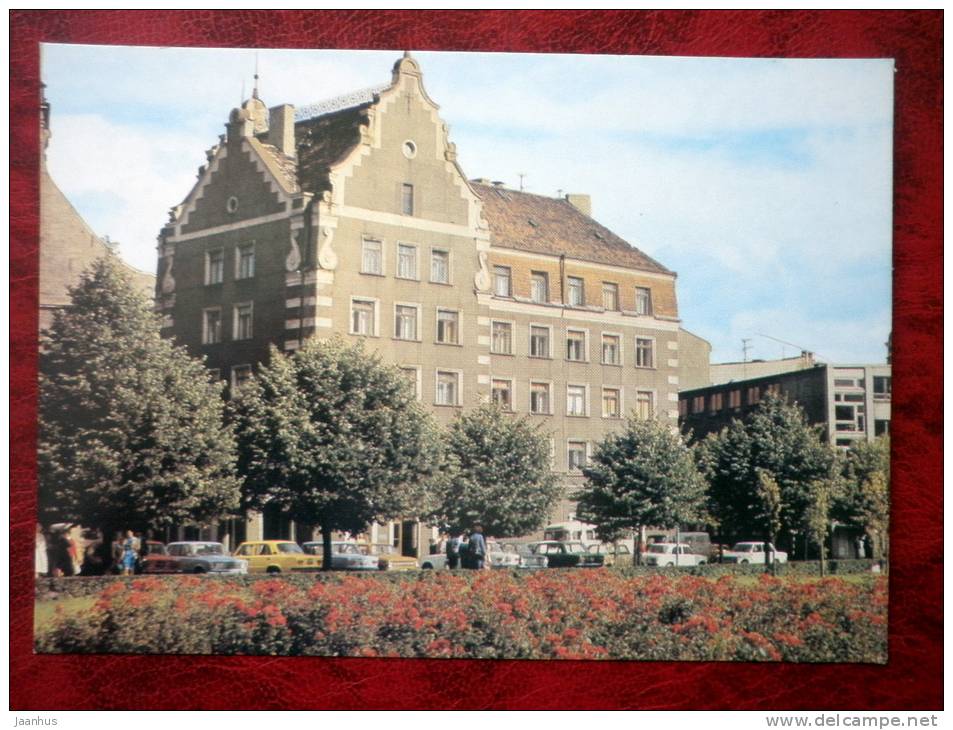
[[571, 530]]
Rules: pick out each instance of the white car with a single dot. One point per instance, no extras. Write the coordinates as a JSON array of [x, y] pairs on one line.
[[497, 557], [345, 555], [670, 554], [437, 561], [752, 552]]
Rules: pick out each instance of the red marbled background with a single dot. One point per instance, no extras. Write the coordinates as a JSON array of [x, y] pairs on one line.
[[913, 676]]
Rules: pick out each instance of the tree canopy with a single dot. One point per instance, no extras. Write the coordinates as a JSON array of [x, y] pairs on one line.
[[333, 437], [777, 441], [131, 431], [498, 474], [863, 499], [644, 475]]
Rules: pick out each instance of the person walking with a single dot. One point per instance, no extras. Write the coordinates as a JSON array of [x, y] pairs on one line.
[[477, 548], [130, 553], [453, 552]]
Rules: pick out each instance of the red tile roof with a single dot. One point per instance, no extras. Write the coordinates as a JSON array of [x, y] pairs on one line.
[[555, 226]]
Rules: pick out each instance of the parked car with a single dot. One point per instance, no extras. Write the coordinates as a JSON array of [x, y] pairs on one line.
[[497, 557], [149, 548], [434, 561], [752, 552], [567, 555], [671, 554], [277, 556], [194, 557], [611, 552], [389, 559], [344, 555]]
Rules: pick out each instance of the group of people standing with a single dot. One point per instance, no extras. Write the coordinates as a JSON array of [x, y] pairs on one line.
[[468, 553], [59, 553]]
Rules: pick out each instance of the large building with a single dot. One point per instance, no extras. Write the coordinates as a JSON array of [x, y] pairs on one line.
[[67, 244], [851, 402], [352, 217]]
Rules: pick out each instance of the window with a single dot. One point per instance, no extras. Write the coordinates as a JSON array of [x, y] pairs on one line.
[[538, 341], [502, 281], [241, 374], [576, 455], [643, 300], [576, 400], [716, 402], [734, 399], [363, 317], [576, 345], [611, 350], [844, 382], [883, 386], [610, 296], [212, 326], [682, 407], [501, 340], [502, 394], [245, 261], [698, 404], [440, 267], [645, 405], [448, 388], [539, 286], [407, 199], [539, 400], [405, 322], [611, 403], [753, 395], [881, 427], [644, 352], [242, 329], [413, 377], [577, 294], [215, 266], [372, 259], [406, 261], [448, 331]]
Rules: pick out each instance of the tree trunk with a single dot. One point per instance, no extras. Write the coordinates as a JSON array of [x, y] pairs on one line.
[[326, 544], [823, 557], [638, 546]]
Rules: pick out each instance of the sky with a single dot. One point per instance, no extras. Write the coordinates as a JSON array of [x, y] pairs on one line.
[[764, 183]]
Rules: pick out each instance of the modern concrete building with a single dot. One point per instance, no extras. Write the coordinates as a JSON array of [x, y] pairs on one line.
[[67, 244], [353, 217], [852, 402]]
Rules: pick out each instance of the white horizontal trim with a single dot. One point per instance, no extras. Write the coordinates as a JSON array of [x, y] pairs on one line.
[[483, 359], [582, 262], [293, 302], [292, 324], [673, 380], [614, 319], [320, 301], [673, 397], [323, 322], [408, 221], [292, 278], [673, 344], [673, 363], [236, 226]]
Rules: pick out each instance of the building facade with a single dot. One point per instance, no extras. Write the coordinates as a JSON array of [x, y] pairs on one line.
[[851, 402], [353, 218]]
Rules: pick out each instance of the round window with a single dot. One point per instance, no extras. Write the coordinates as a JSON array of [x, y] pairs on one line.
[[231, 205], [409, 149]]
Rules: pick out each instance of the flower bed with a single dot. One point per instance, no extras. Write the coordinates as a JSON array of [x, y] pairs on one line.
[[545, 615]]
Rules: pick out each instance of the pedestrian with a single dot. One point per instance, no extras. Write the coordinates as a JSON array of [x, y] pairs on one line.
[[477, 548], [453, 552], [861, 553], [42, 563], [130, 553]]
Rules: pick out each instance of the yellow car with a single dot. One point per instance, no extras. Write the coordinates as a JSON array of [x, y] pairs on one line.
[[389, 559], [277, 556]]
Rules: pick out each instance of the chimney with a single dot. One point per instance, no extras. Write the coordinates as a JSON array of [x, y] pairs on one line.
[[281, 129], [582, 203]]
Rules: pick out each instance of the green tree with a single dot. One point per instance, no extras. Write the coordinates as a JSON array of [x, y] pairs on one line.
[[817, 515], [498, 474], [642, 476], [769, 495], [131, 431], [333, 437], [776, 439], [864, 499]]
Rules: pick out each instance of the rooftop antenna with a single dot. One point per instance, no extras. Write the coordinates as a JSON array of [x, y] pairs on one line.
[[254, 92], [521, 175], [744, 356], [559, 192]]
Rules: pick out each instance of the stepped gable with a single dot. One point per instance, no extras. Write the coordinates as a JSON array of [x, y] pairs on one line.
[[554, 226], [325, 133]]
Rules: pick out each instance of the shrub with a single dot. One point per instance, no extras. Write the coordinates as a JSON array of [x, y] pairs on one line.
[[489, 614]]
